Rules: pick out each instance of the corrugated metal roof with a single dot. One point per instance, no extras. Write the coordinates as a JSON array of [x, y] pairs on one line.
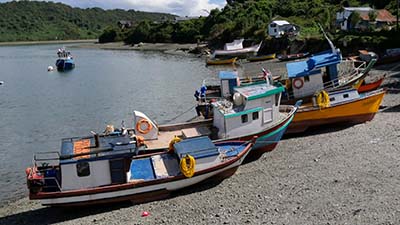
[[313, 64], [280, 22], [382, 15], [357, 8]]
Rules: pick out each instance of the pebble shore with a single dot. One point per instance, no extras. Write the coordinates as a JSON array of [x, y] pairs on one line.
[[332, 175]]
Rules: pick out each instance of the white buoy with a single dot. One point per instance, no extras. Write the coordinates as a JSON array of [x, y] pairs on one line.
[[50, 68]]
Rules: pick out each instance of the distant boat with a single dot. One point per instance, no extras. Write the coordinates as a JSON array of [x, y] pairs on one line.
[[221, 61], [261, 57], [65, 60], [1, 82], [293, 56], [236, 49]]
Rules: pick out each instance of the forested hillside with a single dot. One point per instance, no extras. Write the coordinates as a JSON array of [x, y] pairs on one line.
[[250, 18], [33, 20]]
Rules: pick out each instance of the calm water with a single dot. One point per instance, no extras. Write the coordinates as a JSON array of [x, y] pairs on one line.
[[38, 108]]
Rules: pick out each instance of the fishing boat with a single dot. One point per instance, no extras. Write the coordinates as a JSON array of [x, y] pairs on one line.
[[221, 61], [239, 114], [65, 60], [84, 174], [345, 106], [293, 56], [261, 57], [365, 87], [235, 48], [244, 110]]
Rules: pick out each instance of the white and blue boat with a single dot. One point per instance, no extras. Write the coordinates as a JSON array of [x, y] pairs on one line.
[[65, 60], [110, 168]]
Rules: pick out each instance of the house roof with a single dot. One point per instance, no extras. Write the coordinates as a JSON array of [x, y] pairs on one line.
[[312, 65], [357, 8], [382, 15], [280, 22]]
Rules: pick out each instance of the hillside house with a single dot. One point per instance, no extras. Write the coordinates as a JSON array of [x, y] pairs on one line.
[[124, 24], [368, 18], [279, 28]]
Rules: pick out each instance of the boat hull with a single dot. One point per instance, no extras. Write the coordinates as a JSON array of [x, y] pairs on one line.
[[354, 112], [65, 64], [237, 52], [262, 58], [221, 61]]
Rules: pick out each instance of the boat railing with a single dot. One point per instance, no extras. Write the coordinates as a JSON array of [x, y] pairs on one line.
[[46, 159], [51, 183]]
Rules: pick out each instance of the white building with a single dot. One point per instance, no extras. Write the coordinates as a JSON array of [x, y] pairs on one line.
[[278, 28], [342, 18]]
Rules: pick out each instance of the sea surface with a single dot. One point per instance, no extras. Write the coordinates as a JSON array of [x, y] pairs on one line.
[[38, 108]]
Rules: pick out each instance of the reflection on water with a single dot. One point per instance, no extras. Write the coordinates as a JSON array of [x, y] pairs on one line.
[[38, 108]]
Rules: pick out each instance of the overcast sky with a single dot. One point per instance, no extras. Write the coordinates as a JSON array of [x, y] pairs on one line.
[[177, 7]]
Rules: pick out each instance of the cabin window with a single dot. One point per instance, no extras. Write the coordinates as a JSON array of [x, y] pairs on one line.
[[82, 169], [273, 25], [332, 99], [275, 30], [345, 95], [255, 115], [307, 79], [245, 118]]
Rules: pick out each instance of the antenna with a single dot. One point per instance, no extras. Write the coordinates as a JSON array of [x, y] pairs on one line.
[[326, 37]]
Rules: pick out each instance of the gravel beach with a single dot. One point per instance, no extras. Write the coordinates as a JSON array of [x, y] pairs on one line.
[[331, 175]]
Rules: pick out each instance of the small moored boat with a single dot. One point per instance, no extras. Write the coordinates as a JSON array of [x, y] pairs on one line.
[[221, 61], [65, 60], [261, 57]]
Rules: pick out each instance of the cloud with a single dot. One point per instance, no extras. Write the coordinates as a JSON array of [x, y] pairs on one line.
[[177, 7]]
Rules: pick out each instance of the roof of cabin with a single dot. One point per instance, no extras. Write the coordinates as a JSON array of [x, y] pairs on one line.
[[310, 66], [255, 91], [73, 149], [228, 74]]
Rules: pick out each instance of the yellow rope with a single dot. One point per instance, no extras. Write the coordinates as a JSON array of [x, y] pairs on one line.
[[323, 99], [188, 169], [174, 140]]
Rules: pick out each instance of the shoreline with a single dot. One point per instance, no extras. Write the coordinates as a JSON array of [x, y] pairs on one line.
[[17, 43], [169, 48]]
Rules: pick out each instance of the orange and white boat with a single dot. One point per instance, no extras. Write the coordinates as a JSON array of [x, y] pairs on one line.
[[346, 106]]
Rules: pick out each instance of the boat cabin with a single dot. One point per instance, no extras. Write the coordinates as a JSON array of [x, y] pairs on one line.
[[85, 162], [253, 107], [307, 77]]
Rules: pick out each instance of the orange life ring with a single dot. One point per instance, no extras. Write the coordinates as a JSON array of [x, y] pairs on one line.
[[146, 123], [298, 85]]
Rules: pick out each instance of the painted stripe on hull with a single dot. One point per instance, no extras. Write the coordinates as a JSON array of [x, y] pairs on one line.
[[137, 192]]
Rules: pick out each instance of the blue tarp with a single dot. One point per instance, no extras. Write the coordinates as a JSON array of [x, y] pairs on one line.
[[228, 75], [311, 66], [142, 169]]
